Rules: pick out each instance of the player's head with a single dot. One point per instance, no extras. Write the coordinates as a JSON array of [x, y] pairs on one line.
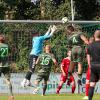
[[97, 35], [70, 29], [35, 33], [47, 48], [2, 38], [69, 53], [91, 39]]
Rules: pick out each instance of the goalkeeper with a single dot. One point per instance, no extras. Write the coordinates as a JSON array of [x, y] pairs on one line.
[[37, 44]]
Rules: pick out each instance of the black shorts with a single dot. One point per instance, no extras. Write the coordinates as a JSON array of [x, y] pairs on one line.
[[5, 71], [42, 75], [95, 72], [32, 61], [77, 54]]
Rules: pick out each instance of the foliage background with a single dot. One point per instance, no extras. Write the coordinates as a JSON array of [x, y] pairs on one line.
[[19, 36]]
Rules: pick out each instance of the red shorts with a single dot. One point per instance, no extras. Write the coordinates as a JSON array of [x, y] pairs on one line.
[[64, 78], [88, 74]]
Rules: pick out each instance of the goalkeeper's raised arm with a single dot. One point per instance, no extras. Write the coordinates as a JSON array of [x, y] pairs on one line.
[[50, 31]]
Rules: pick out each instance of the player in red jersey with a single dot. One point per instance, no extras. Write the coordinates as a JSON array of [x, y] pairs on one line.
[[87, 85], [64, 69]]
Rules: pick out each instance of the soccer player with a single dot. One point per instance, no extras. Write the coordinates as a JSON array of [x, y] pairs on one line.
[[64, 69], [4, 64], [45, 61], [76, 41], [87, 85], [37, 44], [93, 54]]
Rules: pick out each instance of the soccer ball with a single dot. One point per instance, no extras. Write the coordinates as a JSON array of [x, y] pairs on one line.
[[64, 19]]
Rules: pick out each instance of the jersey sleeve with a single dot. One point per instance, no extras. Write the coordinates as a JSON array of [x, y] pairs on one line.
[[62, 63], [44, 37], [69, 41], [53, 57], [88, 50]]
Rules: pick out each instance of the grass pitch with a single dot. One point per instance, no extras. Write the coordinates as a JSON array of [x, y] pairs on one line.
[[50, 97]]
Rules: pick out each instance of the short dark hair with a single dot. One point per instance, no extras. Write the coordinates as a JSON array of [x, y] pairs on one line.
[[2, 38], [34, 32], [70, 27]]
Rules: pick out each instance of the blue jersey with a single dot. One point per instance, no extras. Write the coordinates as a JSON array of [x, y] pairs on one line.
[[37, 44]]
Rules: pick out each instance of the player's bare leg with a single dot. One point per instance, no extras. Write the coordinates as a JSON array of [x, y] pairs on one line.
[[79, 69], [8, 82], [73, 86], [71, 68], [72, 83], [35, 91], [79, 72], [59, 87], [44, 88], [11, 98]]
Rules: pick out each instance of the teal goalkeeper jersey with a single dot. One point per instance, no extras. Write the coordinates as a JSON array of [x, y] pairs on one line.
[[37, 44]]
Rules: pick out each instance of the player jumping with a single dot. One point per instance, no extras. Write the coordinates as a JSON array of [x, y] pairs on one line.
[[76, 40], [37, 44]]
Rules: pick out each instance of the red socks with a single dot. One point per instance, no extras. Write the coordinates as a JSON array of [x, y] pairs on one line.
[[73, 89], [58, 89], [87, 86]]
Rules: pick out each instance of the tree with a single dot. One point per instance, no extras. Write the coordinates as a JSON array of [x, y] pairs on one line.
[[57, 11], [86, 9], [2, 10], [27, 10]]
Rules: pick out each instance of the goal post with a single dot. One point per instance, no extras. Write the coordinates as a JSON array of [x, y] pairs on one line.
[[19, 37], [49, 21]]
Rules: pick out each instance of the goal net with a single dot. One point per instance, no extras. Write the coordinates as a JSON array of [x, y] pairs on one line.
[[19, 38]]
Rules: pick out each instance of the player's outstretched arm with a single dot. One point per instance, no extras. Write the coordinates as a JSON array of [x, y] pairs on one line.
[[88, 60], [62, 70], [53, 29], [84, 39], [55, 63], [48, 31], [37, 61]]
